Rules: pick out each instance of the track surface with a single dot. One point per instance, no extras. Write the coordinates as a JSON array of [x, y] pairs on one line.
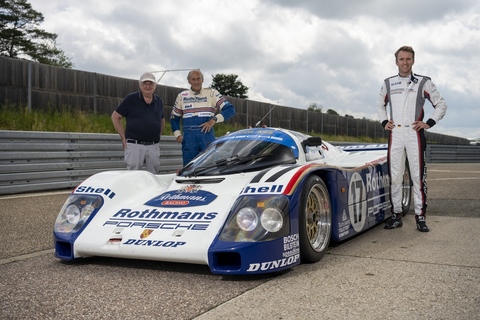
[[382, 274]]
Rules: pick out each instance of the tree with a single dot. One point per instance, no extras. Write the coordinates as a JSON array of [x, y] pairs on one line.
[[315, 108], [229, 85], [331, 111], [20, 36]]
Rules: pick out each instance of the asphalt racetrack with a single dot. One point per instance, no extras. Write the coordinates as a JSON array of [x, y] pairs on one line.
[[381, 274]]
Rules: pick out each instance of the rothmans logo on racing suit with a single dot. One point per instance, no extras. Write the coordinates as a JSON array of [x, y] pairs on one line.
[[187, 196]]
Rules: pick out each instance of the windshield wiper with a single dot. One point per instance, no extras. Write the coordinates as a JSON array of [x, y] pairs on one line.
[[242, 160], [234, 160], [219, 163]]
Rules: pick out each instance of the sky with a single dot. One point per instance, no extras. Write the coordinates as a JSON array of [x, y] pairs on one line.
[[335, 54]]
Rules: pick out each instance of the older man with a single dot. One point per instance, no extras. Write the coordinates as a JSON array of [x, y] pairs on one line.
[[145, 122], [199, 109]]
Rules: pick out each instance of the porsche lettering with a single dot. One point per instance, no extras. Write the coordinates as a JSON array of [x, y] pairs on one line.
[[377, 208], [155, 225]]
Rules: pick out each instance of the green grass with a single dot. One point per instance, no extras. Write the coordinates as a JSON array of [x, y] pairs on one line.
[[68, 120], [65, 120]]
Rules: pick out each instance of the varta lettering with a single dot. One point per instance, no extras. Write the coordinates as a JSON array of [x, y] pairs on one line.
[[376, 181], [164, 215], [153, 243], [87, 189], [263, 189], [270, 265]]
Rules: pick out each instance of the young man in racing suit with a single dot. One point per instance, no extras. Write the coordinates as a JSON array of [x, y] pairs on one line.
[[199, 109], [400, 109]]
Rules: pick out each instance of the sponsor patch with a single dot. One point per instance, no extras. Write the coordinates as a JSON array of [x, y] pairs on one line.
[[188, 196], [146, 233]]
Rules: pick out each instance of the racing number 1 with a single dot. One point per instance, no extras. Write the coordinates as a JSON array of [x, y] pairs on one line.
[[356, 193]]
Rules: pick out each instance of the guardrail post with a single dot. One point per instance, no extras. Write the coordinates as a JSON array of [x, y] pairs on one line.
[[29, 86]]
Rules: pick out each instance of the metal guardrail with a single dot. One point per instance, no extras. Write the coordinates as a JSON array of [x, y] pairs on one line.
[[446, 153], [32, 161], [453, 153]]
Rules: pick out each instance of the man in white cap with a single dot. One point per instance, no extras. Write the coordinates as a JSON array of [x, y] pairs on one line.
[[145, 121]]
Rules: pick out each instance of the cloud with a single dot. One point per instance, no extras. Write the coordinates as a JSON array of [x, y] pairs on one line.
[[294, 53]]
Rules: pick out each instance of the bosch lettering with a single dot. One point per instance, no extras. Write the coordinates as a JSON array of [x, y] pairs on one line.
[[291, 242]]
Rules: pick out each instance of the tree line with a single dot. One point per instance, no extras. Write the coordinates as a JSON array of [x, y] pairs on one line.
[[21, 37]]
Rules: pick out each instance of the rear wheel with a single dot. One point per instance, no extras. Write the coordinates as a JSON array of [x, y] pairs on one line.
[[315, 220]]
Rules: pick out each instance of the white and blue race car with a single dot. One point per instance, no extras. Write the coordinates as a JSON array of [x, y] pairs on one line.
[[255, 201]]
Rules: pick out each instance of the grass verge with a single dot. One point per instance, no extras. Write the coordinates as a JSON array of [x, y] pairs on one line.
[[68, 120]]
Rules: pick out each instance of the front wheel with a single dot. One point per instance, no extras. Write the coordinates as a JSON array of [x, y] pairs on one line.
[[315, 220]]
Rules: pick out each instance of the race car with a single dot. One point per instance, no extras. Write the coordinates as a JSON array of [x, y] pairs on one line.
[[255, 201]]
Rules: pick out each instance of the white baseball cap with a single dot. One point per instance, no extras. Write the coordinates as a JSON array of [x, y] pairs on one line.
[[147, 76]]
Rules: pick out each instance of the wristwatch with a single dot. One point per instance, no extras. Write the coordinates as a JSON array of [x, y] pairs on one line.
[[215, 119]]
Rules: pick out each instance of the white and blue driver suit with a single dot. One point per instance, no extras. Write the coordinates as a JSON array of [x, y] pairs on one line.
[[194, 108]]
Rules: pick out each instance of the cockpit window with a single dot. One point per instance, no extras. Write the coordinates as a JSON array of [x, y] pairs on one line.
[[235, 155]]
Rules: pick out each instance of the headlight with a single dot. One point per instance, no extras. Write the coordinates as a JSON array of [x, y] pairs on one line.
[[257, 218], [76, 211], [247, 219], [72, 214], [272, 219]]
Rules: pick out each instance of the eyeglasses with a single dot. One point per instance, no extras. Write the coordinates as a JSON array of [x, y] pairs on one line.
[[148, 83]]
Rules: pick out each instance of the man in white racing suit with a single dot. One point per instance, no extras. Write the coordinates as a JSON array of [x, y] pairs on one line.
[[400, 109], [199, 109]]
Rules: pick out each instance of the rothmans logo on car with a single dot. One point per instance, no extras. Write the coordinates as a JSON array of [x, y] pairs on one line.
[[187, 196]]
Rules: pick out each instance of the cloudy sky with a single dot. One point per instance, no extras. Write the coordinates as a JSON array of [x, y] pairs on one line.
[[292, 53]]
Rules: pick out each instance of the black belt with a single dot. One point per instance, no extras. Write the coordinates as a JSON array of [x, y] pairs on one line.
[[145, 143]]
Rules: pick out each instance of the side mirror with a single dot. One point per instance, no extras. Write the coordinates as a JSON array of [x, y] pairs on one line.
[[311, 142]]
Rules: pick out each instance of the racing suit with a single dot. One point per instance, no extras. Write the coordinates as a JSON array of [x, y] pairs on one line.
[[406, 98], [195, 108]]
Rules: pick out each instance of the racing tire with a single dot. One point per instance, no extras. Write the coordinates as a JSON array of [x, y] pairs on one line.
[[315, 220], [406, 190]]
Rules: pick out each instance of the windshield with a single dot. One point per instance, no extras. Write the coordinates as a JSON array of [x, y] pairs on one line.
[[229, 156]]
